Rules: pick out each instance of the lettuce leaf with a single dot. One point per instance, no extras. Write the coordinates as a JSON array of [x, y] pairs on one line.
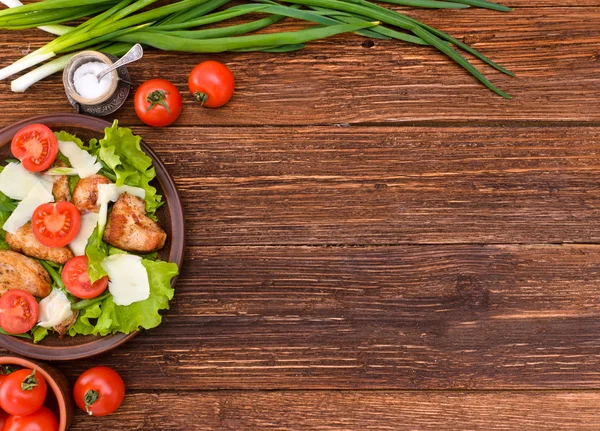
[[64, 136], [96, 250], [39, 333], [120, 150], [105, 317]]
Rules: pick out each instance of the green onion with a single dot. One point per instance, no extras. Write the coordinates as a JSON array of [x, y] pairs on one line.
[[115, 25], [172, 43], [49, 4]]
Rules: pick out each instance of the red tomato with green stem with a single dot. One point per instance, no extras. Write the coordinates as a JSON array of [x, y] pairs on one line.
[[18, 311], [35, 146], [99, 391], [157, 102], [77, 280], [23, 392], [56, 225], [41, 420], [211, 83]]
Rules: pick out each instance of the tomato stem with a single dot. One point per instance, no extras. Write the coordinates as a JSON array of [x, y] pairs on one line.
[[8, 369], [201, 97], [90, 398], [30, 382], [157, 97]]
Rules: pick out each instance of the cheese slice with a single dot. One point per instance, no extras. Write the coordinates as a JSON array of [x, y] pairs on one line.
[[37, 196], [128, 278], [54, 309], [83, 162], [16, 181], [88, 224], [110, 193]]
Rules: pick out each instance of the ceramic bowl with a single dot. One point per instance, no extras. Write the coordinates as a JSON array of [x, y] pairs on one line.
[[170, 217], [59, 398]]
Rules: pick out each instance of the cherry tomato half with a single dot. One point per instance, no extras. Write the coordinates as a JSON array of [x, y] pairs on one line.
[[41, 420], [77, 280], [18, 311], [35, 146], [211, 83], [23, 392], [56, 225], [99, 391], [157, 102]]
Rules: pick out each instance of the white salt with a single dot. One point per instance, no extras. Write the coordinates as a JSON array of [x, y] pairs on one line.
[[85, 81]]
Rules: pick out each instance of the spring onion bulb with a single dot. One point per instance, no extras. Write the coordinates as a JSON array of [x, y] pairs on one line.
[[22, 83]]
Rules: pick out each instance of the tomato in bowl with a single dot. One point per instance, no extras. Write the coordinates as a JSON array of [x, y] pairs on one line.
[[57, 403]]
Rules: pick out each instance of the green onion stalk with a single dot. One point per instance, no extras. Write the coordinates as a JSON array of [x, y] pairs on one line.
[[115, 25]]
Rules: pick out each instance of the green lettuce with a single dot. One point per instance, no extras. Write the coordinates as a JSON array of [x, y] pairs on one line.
[[7, 206], [120, 150], [105, 317], [96, 251], [65, 136], [39, 333]]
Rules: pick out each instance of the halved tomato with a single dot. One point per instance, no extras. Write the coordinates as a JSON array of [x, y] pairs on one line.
[[35, 146], [77, 280], [56, 225], [18, 311]]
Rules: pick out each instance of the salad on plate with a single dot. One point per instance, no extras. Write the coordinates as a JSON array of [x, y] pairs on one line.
[[79, 236]]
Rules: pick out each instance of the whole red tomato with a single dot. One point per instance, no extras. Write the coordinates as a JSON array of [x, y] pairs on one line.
[[99, 391], [211, 83], [3, 418], [41, 420], [157, 102], [23, 392]]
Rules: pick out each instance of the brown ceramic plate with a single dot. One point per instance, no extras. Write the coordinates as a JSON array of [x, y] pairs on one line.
[[170, 217]]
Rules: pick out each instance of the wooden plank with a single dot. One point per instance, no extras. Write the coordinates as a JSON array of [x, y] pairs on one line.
[[552, 49], [373, 185], [411, 317], [322, 411]]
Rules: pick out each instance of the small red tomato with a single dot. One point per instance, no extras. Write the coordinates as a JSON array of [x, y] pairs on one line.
[[3, 418], [18, 311], [56, 225], [157, 102], [41, 420], [211, 83], [23, 392], [99, 391], [77, 280], [35, 146]]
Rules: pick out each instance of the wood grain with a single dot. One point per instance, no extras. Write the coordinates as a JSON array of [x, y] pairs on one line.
[[412, 317], [375, 185], [329, 411], [553, 50]]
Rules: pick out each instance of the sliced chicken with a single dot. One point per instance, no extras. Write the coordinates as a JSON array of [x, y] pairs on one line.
[[24, 241], [129, 228], [85, 195], [60, 189], [64, 327], [22, 272]]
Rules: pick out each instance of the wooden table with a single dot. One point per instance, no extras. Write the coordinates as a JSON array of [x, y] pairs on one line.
[[376, 242]]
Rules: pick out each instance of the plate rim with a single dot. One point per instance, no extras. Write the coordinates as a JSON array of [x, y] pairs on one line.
[[176, 253]]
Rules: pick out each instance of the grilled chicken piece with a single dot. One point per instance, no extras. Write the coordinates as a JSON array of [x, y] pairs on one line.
[[21, 272], [85, 195], [129, 228], [24, 241], [60, 189], [64, 327]]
